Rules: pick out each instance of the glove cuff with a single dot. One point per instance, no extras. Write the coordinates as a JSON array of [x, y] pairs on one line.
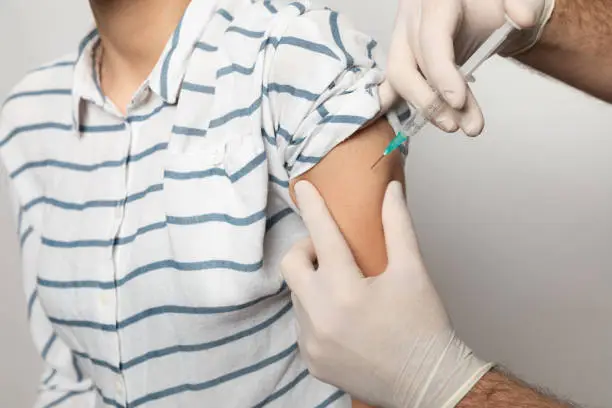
[[527, 39], [447, 372]]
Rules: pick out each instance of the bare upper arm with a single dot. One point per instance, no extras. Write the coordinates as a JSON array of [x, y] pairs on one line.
[[354, 192]]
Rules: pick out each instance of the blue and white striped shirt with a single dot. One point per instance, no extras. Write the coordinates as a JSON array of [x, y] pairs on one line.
[[150, 242]]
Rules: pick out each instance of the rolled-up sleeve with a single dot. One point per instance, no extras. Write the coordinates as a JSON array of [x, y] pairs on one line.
[[323, 87]]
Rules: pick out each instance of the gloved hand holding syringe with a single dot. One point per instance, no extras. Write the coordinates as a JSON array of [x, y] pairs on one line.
[[421, 118]]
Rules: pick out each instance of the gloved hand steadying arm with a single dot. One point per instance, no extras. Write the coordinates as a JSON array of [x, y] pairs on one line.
[[432, 37], [386, 340]]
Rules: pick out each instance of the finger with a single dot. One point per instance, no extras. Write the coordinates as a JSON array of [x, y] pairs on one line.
[[403, 74], [400, 238], [297, 266], [438, 53], [470, 119], [387, 96], [525, 13], [332, 251]]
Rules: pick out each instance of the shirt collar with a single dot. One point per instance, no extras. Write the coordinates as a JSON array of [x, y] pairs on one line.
[[85, 84], [167, 75]]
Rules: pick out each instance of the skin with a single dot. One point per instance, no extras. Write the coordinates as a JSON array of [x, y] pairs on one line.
[[354, 194], [133, 35], [575, 47]]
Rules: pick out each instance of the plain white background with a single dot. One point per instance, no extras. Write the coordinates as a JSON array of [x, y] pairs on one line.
[[516, 226]]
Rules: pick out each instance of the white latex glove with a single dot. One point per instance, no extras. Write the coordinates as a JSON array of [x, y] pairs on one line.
[[385, 340], [432, 37]]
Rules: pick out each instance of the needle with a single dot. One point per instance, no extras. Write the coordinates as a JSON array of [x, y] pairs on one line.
[[422, 118]]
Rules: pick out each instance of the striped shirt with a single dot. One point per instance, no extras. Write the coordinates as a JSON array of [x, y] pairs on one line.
[[151, 241]]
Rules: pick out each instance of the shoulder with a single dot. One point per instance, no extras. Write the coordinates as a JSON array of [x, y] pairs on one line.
[[40, 101], [40, 88]]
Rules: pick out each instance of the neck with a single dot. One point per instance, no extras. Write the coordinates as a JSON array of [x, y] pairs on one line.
[[134, 33]]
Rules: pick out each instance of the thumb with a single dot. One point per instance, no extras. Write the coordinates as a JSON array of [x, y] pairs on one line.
[[525, 13], [400, 238], [297, 266], [387, 96]]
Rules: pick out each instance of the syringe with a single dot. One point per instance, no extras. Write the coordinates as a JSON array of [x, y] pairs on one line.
[[422, 118]]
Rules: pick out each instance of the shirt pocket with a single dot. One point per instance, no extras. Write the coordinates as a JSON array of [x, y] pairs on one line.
[[215, 196]]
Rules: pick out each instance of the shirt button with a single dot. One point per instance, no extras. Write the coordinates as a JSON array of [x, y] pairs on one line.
[[119, 387]]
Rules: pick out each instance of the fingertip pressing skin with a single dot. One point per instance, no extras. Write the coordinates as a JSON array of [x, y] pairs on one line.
[[523, 12]]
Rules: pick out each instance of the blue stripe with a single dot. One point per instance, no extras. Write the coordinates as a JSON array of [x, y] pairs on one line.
[[89, 167], [269, 138], [98, 362], [94, 203], [48, 345], [217, 171], [276, 180], [291, 90], [322, 111], [225, 14], [305, 44], [308, 159], [34, 127], [102, 243], [217, 217], [217, 381], [166, 65], [107, 400], [43, 92], [333, 22], [282, 391], [235, 68], [205, 47], [49, 377], [77, 369], [187, 131], [205, 89], [272, 221], [83, 323], [284, 133], [83, 44], [142, 118], [250, 166], [31, 301], [345, 119], [270, 7], [65, 397], [25, 236], [55, 65], [236, 114], [301, 8], [245, 32], [102, 128], [145, 269], [370, 48], [331, 399]]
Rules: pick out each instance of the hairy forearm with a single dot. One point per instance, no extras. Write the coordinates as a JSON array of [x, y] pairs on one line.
[[576, 46], [498, 390]]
